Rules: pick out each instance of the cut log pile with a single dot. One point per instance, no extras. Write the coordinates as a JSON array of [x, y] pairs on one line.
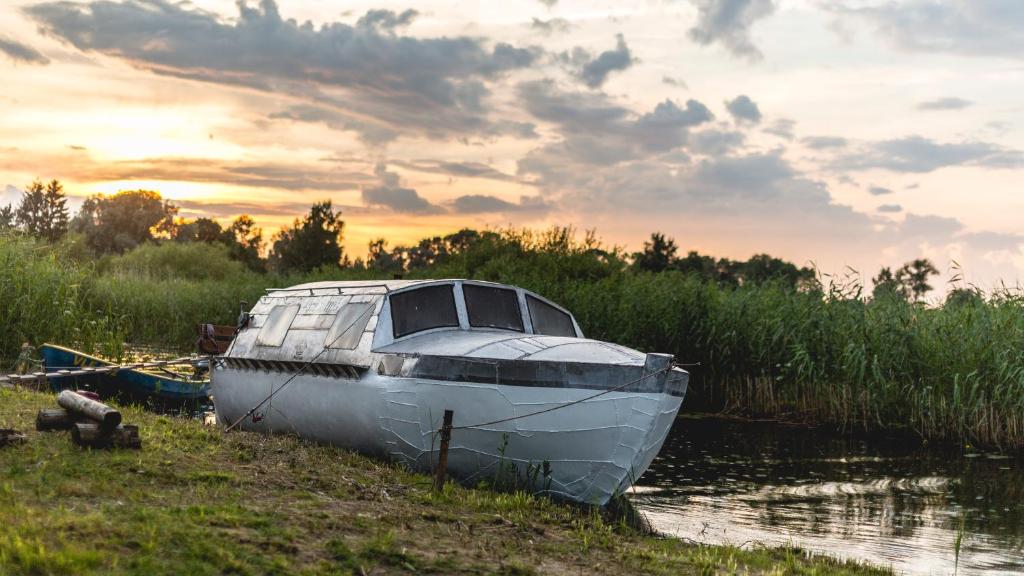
[[91, 422]]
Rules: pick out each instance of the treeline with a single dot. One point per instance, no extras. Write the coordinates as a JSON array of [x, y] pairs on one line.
[[763, 337], [118, 223]]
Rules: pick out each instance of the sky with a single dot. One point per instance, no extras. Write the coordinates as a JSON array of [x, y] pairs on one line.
[[844, 134]]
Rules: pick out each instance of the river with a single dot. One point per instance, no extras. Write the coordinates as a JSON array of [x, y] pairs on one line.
[[888, 501]]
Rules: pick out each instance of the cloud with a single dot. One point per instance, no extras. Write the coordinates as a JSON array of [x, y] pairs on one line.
[[391, 195], [783, 128], [879, 191], [678, 82], [595, 72], [81, 166], [916, 154], [595, 130], [716, 142], [548, 3], [19, 52], [989, 28], [457, 169], [743, 109], [399, 199], [550, 26], [10, 195], [230, 209], [386, 19], [482, 203], [373, 80], [949, 103], [824, 142], [890, 208], [728, 22]]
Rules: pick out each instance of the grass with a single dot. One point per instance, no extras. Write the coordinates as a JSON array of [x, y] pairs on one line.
[[828, 356], [197, 501]]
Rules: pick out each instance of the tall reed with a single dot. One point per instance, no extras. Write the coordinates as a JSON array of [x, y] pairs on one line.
[[826, 356]]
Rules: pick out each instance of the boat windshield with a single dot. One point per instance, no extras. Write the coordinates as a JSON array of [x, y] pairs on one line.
[[491, 307], [423, 308], [548, 320]]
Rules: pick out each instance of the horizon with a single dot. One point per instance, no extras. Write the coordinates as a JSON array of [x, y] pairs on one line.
[[841, 134]]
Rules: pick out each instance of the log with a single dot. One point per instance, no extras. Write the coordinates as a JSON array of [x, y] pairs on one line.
[[54, 419], [9, 436], [104, 415], [89, 434]]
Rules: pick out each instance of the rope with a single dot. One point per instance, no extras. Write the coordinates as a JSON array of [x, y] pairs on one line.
[[566, 405], [301, 369]]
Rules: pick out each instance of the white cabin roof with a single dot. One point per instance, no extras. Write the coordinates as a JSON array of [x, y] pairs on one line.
[[308, 320]]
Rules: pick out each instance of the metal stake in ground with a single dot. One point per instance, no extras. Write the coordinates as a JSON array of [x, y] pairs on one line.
[[442, 458]]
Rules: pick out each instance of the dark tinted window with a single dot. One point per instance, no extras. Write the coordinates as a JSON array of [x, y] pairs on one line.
[[491, 307], [549, 320], [423, 309]]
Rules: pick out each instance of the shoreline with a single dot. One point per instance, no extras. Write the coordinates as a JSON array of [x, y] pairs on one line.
[[199, 501]]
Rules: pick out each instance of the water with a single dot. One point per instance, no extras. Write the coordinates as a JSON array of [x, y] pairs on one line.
[[890, 502]]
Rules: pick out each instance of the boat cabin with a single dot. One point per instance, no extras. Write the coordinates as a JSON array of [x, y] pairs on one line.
[[355, 320]]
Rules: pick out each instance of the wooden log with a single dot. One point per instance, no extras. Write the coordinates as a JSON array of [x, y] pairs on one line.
[[90, 434], [9, 436], [104, 415], [442, 458], [127, 436], [54, 419]]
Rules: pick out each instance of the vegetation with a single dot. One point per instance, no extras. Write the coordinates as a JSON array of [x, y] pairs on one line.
[[197, 501], [761, 337]]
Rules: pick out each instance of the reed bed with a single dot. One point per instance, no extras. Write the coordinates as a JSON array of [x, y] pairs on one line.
[[829, 356]]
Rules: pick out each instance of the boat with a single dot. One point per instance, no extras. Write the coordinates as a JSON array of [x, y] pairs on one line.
[[135, 385], [373, 366]]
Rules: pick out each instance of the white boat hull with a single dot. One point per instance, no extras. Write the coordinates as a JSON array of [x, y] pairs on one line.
[[587, 452]]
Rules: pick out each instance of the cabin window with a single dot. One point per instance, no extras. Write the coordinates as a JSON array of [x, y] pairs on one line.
[[422, 309], [349, 325], [491, 307], [548, 320], [276, 327]]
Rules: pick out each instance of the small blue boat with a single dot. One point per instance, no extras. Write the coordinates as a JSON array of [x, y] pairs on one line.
[[135, 384]]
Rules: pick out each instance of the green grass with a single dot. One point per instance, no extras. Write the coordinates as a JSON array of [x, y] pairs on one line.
[[949, 372], [197, 501]]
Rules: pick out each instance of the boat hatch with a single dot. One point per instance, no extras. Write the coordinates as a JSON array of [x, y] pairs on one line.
[[349, 325]]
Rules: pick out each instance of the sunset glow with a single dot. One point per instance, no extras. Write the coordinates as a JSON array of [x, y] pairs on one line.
[[831, 133]]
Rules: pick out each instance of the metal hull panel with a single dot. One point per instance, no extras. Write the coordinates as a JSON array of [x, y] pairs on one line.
[[593, 450]]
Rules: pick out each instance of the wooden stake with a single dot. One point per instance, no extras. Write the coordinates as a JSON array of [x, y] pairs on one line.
[[442, 458]]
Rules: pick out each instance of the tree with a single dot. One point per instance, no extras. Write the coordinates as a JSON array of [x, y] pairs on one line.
[[762, 268], [887, 285], [246, 244], [7, 217], [115, 224], [657, 255], [200, 230], [915, 276], [910, 282], [43, 211], [310, 243], [378, 258]]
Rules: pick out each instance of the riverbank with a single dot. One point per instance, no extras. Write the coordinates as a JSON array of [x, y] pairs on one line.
[[197, 501]]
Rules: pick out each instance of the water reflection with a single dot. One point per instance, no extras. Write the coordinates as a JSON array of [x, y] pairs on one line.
[[886, 501]]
